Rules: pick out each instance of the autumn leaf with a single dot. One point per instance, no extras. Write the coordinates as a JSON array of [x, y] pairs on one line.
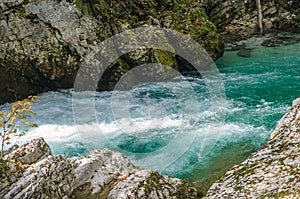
[[8, 114], [19, 111], [13, 119]]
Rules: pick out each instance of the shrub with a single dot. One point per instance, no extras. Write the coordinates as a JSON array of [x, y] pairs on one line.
[[9, 121]]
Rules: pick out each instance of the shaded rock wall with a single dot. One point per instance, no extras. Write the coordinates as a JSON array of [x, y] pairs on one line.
[[238, 18], [43, 42]]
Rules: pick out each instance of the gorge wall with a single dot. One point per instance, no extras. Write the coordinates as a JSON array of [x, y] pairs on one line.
[[43, 42], [237, 19]]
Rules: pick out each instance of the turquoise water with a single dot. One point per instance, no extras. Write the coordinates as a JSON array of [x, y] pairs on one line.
[[159, 126]]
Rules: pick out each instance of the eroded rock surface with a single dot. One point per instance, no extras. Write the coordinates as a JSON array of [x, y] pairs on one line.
[[272, 171], [101, 174], [43, 42], [237, 19]]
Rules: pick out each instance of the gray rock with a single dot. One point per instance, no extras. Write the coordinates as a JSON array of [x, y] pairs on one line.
[[44, 42], [101, 174], [32, 152], [246, 52], [238, 19], [270, 172]]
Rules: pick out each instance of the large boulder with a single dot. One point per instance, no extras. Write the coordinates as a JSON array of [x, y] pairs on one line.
[[101, 174], [43, 42], [273, 171]]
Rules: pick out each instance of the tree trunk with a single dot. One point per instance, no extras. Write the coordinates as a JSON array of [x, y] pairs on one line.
[[259, 16]]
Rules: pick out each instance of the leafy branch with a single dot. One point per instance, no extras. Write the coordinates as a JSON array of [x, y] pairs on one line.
[[20, 110]]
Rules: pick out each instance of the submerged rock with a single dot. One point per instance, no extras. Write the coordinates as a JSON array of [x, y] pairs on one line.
[[281, 39], [246, 52], [273, 171], [101, 174]]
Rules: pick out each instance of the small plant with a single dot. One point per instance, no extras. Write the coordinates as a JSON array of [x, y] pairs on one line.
[[9, 121]]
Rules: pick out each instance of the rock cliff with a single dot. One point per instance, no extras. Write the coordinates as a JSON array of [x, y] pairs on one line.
[[43, 42], [34, 173], [273, 171], [237, 19]]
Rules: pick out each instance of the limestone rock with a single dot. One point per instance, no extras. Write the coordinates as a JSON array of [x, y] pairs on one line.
[[237, 19], [44, 42], [30, 153], [101, 174], [270, 172]]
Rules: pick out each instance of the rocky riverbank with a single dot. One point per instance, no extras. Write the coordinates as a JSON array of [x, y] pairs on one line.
[[237, 19], [273, 171], [43, 42], [34, 173]]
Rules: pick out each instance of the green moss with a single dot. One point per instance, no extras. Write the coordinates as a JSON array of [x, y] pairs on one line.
[[21, 9], [166, 58], [4, 167], [187, 17]]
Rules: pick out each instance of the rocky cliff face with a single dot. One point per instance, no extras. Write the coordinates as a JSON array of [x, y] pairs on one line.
[[238, 18], [273, 171], [34, 173], [43, 42]]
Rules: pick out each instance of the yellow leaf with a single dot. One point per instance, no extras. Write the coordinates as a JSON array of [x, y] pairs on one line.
[[1, 113], [2, 125], [8, 114], [26, 123], [13, 119], [23, 110]]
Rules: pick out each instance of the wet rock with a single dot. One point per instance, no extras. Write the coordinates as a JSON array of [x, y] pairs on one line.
[[245, 52], [281, 39], [235, 46]]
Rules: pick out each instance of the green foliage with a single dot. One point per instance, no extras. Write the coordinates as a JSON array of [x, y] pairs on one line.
[[4, 166], [9, 121]]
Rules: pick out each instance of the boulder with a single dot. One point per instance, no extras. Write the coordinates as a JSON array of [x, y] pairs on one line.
[[44, 42], [30, 153], [101, 174]]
